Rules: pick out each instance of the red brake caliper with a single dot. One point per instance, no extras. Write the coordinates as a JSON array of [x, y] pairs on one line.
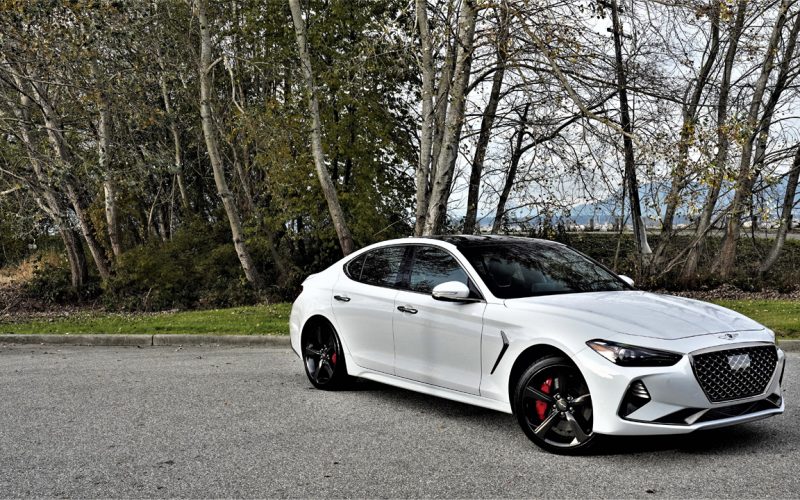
[[541, 406], [333, 359]]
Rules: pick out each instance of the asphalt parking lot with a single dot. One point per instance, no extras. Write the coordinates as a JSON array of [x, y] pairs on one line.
[[244, 422]]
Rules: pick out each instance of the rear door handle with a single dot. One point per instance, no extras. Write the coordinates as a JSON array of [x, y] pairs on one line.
[[407, 309], [341, 298]]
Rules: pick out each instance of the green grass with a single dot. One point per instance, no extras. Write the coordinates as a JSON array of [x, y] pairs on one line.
[[781, 316], [254, 320]]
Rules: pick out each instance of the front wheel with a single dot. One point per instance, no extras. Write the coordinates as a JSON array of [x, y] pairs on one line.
[[553, 406], [323, 356]]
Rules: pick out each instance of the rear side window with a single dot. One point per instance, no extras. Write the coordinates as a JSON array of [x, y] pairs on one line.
[[433, 266], [381, 267]]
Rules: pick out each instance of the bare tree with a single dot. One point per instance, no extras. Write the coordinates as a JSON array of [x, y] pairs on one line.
[[427, 120], [487, 119], [639, 230], [516, 155], [757, 127], [786, 215], [445, 165], [680, 177], [689, 271]]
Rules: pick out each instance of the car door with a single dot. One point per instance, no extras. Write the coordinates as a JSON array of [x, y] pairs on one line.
[[437, 342], [363, 304]]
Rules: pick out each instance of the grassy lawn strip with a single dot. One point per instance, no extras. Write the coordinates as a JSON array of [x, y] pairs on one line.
[[270, 319], [782, 316]]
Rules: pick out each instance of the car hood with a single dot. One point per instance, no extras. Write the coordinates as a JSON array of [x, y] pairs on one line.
[[639, 313]]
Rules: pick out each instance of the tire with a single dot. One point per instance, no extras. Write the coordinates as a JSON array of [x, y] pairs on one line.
[[553, 406], [323, 356]]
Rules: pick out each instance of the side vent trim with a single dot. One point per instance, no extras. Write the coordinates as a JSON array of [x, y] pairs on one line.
[[502, 351]]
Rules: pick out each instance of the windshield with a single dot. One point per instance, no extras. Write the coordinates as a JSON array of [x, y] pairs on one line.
[[515, 270]]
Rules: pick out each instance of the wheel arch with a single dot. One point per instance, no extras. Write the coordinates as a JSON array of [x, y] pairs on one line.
[[331, 321], [313, 320], [526, 358]]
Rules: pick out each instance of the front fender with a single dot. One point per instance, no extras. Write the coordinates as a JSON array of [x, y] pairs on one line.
[[523, 331]]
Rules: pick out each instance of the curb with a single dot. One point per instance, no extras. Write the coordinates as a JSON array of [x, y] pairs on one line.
[[789, 345], [241, 340], [147, 340], [187, 339]]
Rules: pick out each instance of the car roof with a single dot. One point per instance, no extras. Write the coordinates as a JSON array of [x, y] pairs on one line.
[[477, 240]]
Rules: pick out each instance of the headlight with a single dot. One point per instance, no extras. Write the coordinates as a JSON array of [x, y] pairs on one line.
[[628, 355]]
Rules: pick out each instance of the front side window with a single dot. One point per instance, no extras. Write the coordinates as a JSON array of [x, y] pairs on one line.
[[433, 266], [515, 270], [382, 267]]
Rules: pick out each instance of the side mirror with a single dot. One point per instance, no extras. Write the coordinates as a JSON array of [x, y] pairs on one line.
[[452, 291], [626, 279]]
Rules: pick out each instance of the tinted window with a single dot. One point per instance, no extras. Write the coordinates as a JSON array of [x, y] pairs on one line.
[[513, 270], [433, 266], [353, 268], [382, 266]]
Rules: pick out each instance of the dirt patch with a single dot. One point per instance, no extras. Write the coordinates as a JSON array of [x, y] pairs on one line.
[[16, 305]]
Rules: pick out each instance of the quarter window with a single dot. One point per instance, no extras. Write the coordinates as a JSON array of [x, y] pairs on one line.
[[433, 266], [353, 268], [382, 267]]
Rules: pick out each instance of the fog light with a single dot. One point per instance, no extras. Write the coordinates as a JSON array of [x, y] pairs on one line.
[[635, 397]]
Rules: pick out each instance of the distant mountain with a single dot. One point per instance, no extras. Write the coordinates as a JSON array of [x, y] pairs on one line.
[[607, 210]]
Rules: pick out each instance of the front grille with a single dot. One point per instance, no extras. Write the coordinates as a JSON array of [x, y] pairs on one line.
[[735, 373]]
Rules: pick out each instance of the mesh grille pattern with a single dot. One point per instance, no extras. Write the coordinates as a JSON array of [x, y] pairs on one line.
[[735, 373]]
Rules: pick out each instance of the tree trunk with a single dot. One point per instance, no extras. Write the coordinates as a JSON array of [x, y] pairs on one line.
[[53, 125], [689, 271], [207, 118], [487, 121], [88, 230], [442, 181], [786, 216], [109, 186], [512, 172], [441, 108], [745, 177], [51, 203], [426, 123], [176, 140], [328, 189], [639, 230], [248, 196]]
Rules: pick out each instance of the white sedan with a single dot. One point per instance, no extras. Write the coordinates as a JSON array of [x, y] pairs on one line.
[[537, 329]]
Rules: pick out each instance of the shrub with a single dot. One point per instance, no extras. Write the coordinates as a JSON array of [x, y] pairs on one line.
[[50, 281], [197, 267]]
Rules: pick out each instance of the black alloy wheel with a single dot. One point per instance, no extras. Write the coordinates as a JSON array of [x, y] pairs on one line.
[[323, 356], [553, 406]]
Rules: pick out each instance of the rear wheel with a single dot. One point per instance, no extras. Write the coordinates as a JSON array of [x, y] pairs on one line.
[[323, 356], [553, 406]]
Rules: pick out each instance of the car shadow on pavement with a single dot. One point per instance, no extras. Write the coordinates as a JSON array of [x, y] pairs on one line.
[[738, 439], [733, 440]]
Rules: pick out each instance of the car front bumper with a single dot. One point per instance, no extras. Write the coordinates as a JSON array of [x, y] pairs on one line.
[[677, 403]]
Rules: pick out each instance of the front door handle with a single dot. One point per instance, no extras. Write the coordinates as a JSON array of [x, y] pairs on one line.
[[407, 309], [341, 298]]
